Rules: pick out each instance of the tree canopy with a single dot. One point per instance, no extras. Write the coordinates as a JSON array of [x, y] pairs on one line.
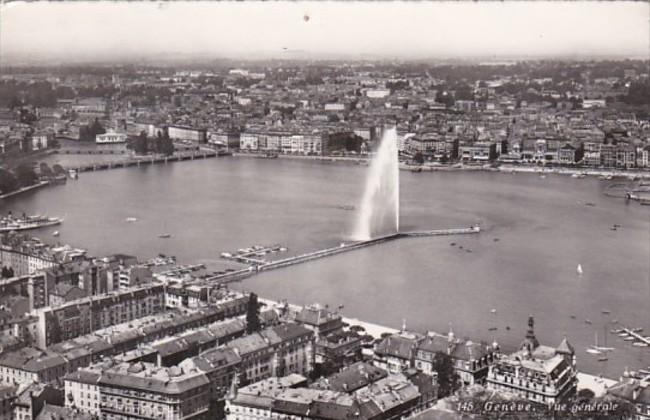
[[253, 323]]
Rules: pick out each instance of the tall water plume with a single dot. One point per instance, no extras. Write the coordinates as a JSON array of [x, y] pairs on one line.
[[379, 211]]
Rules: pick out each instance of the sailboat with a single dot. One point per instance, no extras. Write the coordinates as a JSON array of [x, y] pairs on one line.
[[579, 269], [165, 235], [596, 349]]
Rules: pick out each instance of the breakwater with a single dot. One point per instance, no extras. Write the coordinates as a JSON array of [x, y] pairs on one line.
[[262, 265]]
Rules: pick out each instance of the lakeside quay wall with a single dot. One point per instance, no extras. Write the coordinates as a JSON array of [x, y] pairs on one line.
[[25, 189], [523, 168]]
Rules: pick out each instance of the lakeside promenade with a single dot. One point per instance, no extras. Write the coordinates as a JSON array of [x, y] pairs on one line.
[[434, 167]]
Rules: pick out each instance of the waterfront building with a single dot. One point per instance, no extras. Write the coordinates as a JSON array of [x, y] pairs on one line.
[[320, 320], [567, 155], [636, 392], [471, 360], [643, 157], [249, 141], [110, 138], [536, 372], [478, 152], [395, 353], [180, 132], [338, 349], [40, 140]]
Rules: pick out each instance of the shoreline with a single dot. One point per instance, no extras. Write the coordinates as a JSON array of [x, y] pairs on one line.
[[25, 189], [506, 168], [598, 384]]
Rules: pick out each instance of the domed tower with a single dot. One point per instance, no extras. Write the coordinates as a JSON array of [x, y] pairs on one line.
[[530, 343]]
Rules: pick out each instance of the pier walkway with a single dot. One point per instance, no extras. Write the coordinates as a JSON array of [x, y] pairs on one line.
[[344, 247], [637, 336]]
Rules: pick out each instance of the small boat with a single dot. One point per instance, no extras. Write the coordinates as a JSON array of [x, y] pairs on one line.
[[591, 350], [613, 228], [453, 244], [165, 235], [615, 331], [507, 327], [573, 317], [603, 359], [131, 219], [492, 329], [629, 338], [614, 321], [494, 311], [640, 344], [606, 311], [623, 334], [496, 239], [590, 204], [637, 330], [588, 321], [55, 233], [579, 269], [542, 176]]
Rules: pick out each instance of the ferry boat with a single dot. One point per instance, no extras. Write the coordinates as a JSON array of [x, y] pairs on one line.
[[10, 223]]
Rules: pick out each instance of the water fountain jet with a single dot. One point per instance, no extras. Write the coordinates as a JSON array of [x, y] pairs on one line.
[[379, 211]]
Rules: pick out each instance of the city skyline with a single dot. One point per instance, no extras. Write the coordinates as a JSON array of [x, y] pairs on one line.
[[73, 32]]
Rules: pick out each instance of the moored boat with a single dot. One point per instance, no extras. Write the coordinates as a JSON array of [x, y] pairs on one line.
[[10, 223]]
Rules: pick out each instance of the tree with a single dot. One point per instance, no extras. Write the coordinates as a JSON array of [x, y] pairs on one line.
[[25, 175], [58, 169], [141, 144], [448, 380], [45, 170], [253, 323], [8, 181], [166, 145]]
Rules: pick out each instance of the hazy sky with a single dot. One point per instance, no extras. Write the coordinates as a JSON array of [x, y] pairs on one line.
[[73, 30]]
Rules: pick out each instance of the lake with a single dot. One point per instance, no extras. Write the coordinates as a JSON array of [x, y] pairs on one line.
[[535, 232]]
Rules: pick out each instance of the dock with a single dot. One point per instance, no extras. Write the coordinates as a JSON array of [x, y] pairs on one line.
[[637, 336], [257, 266]]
